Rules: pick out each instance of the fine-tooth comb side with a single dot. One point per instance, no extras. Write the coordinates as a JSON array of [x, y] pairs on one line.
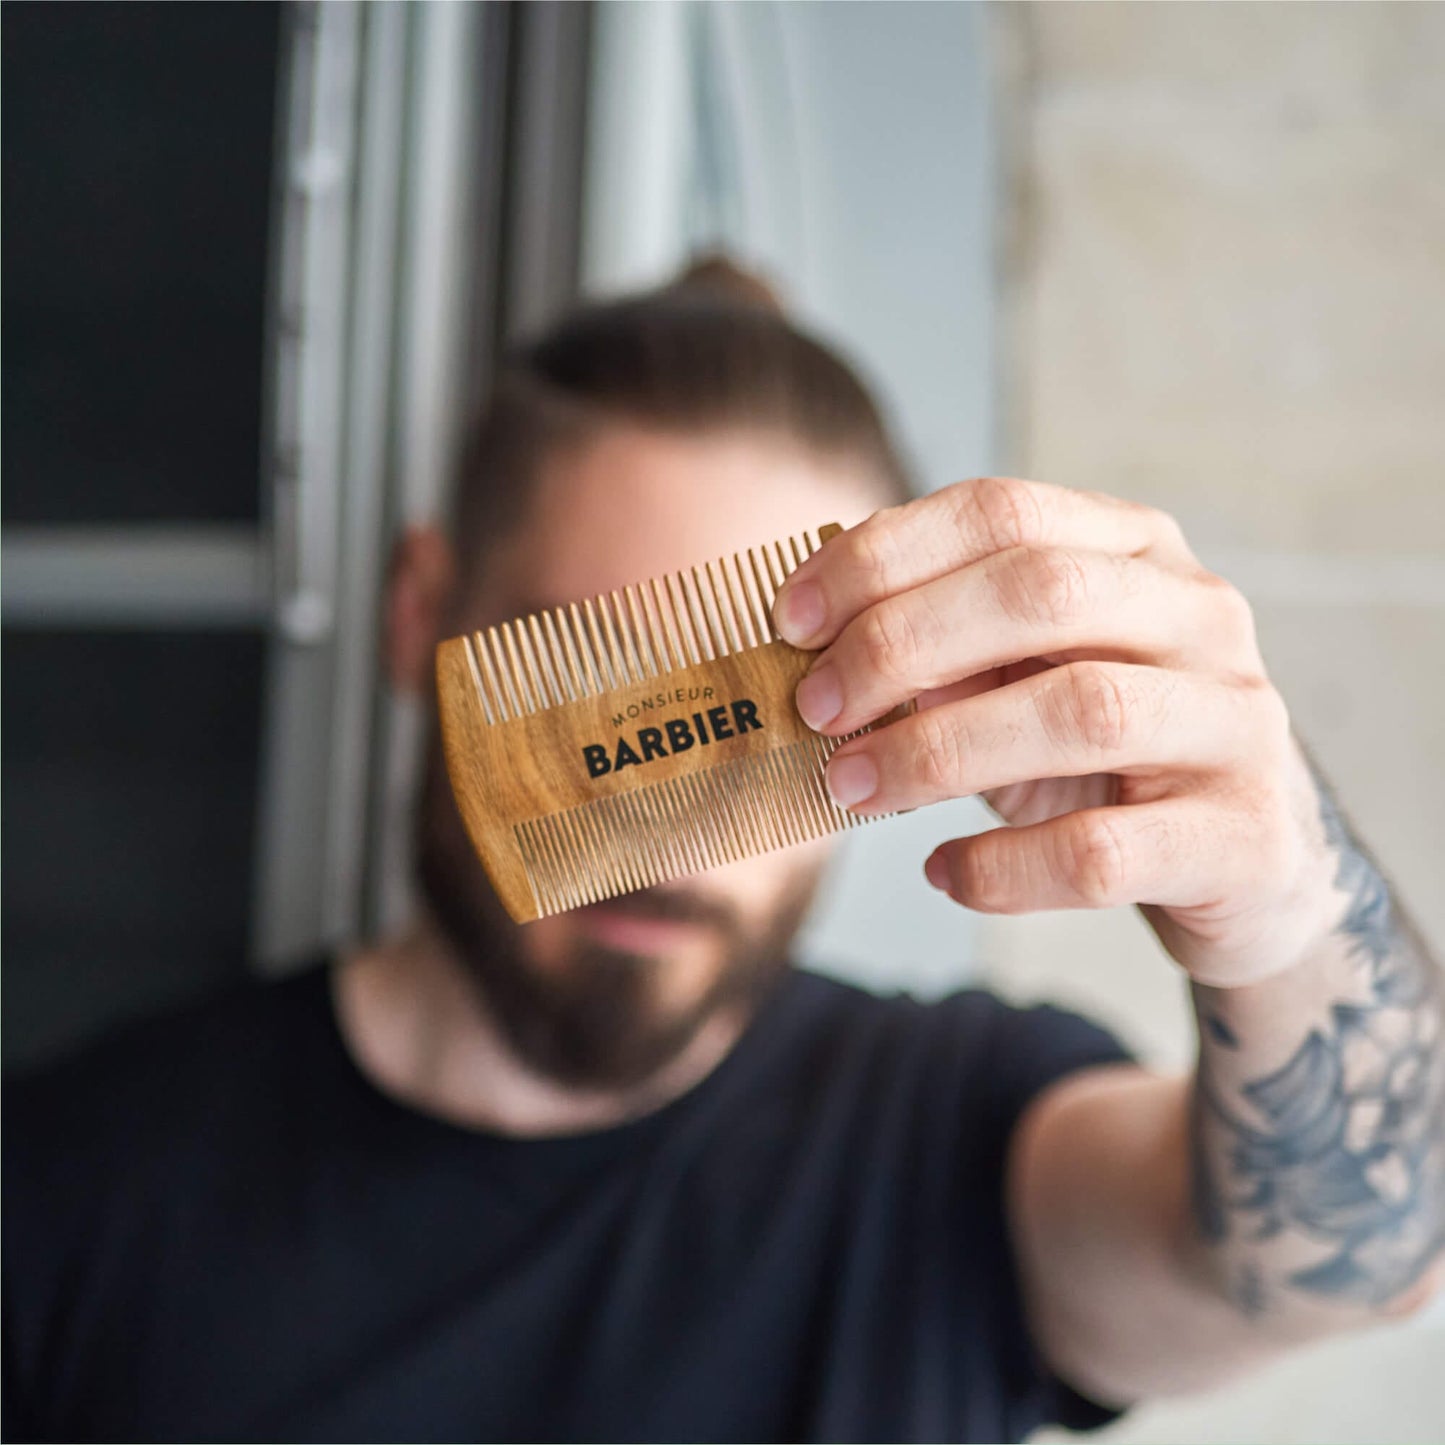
[[611, 744]]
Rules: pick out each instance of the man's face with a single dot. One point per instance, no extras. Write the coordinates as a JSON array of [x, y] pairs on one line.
[[606, 995]]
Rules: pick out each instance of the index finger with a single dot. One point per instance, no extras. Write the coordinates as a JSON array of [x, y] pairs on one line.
[[905, 546]]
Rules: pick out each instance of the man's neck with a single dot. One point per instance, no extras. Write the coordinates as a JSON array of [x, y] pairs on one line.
[[417, 1028]]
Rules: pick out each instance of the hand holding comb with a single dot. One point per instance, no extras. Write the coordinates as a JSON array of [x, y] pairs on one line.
[[601, 747]]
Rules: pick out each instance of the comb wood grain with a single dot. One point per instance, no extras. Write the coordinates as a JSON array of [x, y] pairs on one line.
[[635, 737]]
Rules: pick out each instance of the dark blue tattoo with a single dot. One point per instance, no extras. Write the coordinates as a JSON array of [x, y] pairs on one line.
[[1346, 1143]]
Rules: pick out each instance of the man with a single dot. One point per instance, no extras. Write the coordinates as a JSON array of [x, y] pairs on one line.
[[622, 1173]]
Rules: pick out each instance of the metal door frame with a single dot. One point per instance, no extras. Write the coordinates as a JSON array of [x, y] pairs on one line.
[[432, 175]]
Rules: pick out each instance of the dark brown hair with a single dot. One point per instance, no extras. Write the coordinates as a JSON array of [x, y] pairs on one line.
[[711, 351]]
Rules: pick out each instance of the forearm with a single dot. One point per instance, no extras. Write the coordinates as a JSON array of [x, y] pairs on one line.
[[1318, 1118]]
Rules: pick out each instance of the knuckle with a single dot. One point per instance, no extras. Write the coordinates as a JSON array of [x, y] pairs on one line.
[[889, 642], [1095, 861], [1164, 526], [1046, 586], [938, 753], [1273, 710], [1271, 716], [1096, 705], [1007, 512], [1229, 609], [980, 877], [871, 553]]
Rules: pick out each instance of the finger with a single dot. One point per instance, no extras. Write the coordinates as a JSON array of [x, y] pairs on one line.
[[1174, 853], [1023, 603], [902, 547], [1068, 722]]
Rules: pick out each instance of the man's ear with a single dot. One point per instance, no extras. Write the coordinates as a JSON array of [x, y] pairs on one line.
[[418, 594]]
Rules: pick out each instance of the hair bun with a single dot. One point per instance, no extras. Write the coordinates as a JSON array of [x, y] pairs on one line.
[[718, 275]]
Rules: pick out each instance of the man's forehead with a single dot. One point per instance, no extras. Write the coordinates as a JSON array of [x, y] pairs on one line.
[[633, 505]]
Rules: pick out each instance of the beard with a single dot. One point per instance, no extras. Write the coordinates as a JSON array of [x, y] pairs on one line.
[[595, 1022]]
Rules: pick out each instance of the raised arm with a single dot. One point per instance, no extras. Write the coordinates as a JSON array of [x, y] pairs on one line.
[[1175, 1232], [1077, 666]]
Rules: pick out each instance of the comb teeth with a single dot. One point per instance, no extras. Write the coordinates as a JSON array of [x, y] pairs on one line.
[[617, 640], [636, 737], [682, 825]]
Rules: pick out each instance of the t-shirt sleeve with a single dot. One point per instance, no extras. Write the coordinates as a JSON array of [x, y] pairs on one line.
[[1023, 1051]]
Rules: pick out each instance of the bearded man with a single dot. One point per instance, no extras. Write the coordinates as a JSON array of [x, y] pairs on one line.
[[625, 1172]]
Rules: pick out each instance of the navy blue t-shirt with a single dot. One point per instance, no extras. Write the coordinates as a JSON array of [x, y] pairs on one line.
[[217, 1229]]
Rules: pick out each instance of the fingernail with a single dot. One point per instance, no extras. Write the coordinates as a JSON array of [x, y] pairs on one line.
[[851, 779], [819, 697], [799, 612], [936, 871]]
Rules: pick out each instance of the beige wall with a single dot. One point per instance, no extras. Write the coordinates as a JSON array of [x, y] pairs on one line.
[[1223, 268]]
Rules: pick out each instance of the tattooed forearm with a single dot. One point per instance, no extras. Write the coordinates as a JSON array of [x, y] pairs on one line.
[[1323, 1176]]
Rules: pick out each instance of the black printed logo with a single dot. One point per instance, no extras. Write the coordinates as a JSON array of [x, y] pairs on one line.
[[675, 735]]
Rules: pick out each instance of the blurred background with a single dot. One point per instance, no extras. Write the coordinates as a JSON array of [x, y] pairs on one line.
[[259, 263]]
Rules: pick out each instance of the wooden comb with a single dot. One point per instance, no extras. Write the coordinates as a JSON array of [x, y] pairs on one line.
[[605, 746]]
